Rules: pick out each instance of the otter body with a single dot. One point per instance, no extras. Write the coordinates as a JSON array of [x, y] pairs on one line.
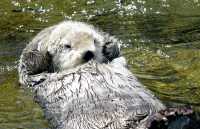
[[81, 81], [96, 96]]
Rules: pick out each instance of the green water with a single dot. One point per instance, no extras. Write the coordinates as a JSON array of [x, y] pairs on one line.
[[161, 40]]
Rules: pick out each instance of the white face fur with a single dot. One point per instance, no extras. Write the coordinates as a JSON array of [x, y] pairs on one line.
[[74, 43]]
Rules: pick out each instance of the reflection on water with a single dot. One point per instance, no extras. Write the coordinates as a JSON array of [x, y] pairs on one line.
[[163, 39], [17, 109]]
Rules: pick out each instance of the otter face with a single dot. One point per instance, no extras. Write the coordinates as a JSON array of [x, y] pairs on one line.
[[75, 48]]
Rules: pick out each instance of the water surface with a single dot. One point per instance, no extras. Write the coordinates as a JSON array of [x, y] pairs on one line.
[[161, 41]]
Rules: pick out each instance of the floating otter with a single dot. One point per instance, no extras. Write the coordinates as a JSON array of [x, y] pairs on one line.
[[81, 81]]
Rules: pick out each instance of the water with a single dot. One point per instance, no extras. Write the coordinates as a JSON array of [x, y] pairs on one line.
[[161, 40]]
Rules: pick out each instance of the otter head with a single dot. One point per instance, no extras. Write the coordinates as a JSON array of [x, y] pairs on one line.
[[75, 44]]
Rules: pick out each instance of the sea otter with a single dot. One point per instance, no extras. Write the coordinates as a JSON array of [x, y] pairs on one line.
[[81, 80]]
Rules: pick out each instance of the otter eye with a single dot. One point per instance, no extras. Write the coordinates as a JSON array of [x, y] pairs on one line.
[[67, 46], [95, 41]]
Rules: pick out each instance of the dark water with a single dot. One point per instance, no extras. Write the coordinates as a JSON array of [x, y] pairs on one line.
[[161, 42]]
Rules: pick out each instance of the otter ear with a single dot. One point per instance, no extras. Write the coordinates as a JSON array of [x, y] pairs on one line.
[[111, 48]]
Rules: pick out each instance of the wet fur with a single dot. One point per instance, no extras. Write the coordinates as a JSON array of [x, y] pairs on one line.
[[99, 94]]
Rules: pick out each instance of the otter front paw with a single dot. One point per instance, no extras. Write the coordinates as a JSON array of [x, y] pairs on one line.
[[37, 79]]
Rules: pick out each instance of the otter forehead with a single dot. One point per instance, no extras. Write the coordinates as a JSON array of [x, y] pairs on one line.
[[74, 30], [81, 40]]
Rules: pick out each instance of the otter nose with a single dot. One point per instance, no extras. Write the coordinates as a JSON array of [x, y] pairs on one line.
[[88, 55]]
